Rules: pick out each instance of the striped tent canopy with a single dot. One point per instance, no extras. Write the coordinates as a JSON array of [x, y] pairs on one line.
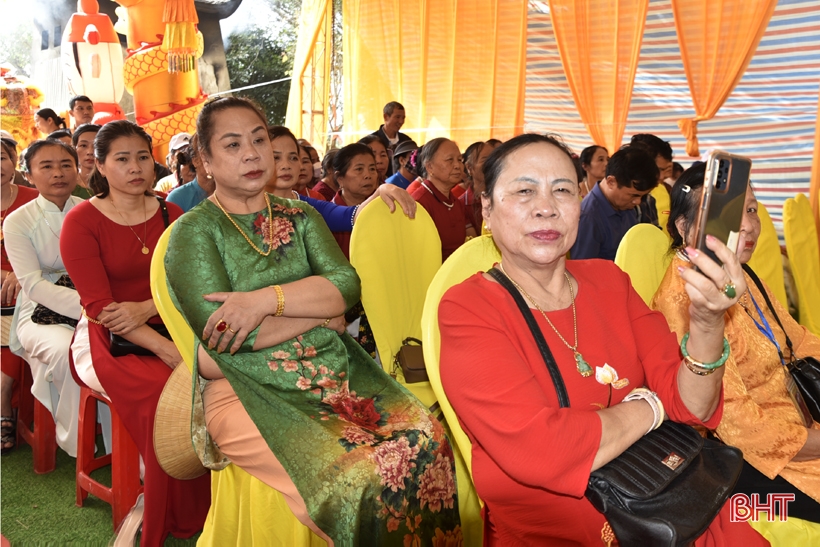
[[769, 117]]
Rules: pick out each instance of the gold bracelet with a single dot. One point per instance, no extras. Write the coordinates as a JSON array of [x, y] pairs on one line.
[[280, 301], [693, 365], [326, 322], [90, 320]]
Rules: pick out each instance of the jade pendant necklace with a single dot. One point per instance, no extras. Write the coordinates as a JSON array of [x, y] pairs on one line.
[[580, 364]]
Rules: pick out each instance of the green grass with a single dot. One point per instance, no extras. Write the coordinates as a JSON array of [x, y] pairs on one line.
[[40, 511]]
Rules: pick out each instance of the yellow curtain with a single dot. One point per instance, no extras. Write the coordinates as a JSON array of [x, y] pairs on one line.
[[717, 39], [307, 114], [457, 66], [599, 42], [814, 189]]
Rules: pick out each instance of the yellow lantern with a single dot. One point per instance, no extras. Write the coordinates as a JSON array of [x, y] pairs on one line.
[[161, 67]]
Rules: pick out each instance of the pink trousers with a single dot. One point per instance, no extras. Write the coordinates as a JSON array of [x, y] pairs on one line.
[[239, 439]]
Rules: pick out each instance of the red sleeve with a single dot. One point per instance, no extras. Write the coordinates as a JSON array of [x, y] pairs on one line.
[[504, 411], [659, 353], [80, 248]]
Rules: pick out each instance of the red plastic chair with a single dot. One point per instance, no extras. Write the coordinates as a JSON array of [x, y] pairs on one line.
[[124, 459], [42, 436]]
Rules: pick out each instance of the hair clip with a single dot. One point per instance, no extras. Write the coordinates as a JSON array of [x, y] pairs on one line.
[[686, 188]]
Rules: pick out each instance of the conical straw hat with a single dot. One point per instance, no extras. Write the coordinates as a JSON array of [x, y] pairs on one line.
[[172, 428]]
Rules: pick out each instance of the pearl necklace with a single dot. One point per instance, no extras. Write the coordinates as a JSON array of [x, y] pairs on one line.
[[448, 205]]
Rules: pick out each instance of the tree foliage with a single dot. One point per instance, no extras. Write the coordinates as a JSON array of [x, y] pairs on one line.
[[254, 57], [15, 47]]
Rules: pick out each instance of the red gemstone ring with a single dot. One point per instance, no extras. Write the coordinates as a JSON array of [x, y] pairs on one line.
[[222, 326]]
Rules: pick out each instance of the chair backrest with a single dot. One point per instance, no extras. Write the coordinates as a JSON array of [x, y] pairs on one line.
[[804, 257], [767, 261], [396, 258], [644, 254], [477, 255], [663, 204], [176, 324]]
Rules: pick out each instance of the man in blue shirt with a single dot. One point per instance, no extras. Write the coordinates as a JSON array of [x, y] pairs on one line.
[[404, 174], [608, 211]]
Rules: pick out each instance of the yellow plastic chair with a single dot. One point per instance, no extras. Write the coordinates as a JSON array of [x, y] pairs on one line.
[[790, 533], [767, 261], [663, 205], [478, 254], [244, 510], [804, 256], [396, 258], [644, 254]]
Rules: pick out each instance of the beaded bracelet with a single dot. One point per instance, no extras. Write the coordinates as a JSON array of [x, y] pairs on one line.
[[280, 301], [90, 320], [326, 323], [654, 401], [706, 366]]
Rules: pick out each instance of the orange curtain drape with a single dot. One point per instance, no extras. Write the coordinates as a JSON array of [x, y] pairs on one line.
[[599, 42], [814, 189], [457, 66], [307, 114], [717, 40]]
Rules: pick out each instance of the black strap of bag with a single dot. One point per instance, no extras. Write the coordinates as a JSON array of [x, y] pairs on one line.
[[804, 372], [759, 283], [666, 488]]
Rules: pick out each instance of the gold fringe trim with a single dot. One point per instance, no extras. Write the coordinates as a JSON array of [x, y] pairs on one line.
[[180, 43]]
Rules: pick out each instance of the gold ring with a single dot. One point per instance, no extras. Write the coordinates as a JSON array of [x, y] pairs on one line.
[[221, 326], [230, 329], [729, 290]]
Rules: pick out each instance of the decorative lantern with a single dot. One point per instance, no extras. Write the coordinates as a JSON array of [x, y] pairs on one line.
[[92, 59]]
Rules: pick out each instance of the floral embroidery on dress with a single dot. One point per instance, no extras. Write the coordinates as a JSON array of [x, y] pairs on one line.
[[412, 458], [282, 227]]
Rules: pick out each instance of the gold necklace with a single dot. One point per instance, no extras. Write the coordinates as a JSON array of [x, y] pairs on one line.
[[145, 250], [580, 364], [235, 225]]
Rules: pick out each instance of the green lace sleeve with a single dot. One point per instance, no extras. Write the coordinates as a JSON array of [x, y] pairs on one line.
[[194, 267], [327, 260]]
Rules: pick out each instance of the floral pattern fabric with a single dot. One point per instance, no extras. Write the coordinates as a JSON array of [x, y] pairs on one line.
[[373, 466]]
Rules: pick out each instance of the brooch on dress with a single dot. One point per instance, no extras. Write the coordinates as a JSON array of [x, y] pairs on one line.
[[608, 376]]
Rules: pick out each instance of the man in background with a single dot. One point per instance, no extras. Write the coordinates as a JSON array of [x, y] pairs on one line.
[[388, 132], [81, 109], [609, 210]]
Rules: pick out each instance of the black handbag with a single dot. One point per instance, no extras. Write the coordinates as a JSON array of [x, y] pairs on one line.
[[119, 345], [46, 316], [806, 371], [665, 489]]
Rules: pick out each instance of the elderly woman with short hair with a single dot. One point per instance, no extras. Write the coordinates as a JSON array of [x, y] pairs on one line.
[[531, 459], [441, 161]]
